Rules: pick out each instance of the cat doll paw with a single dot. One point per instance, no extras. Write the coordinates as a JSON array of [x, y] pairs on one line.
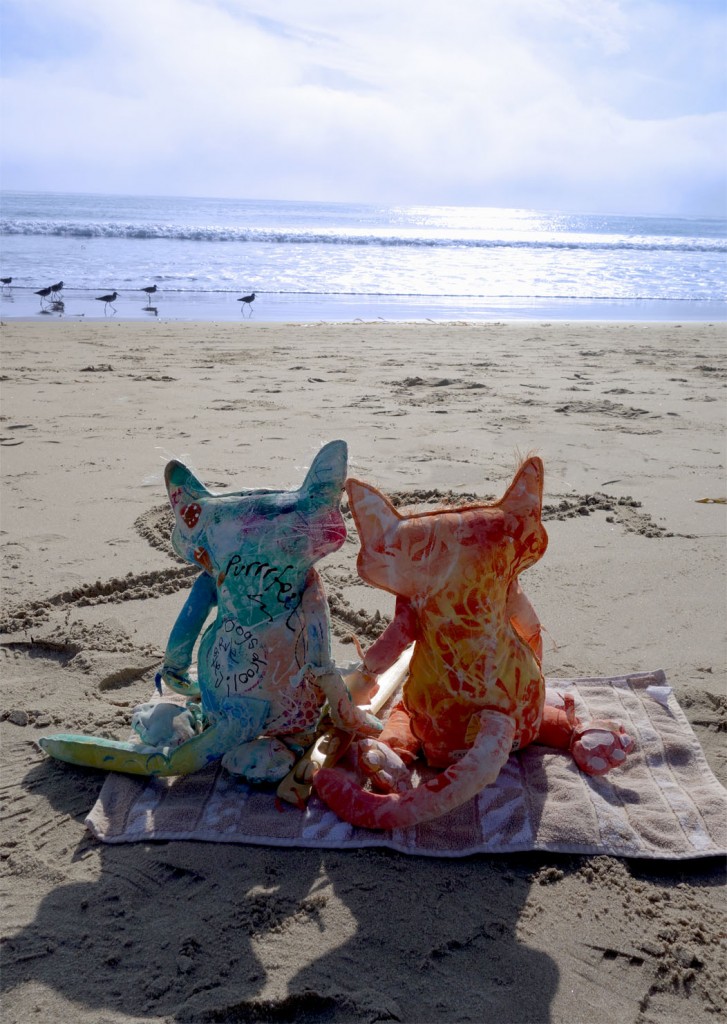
[[379, 763], [159, 724], [600, 746], [266, 759]]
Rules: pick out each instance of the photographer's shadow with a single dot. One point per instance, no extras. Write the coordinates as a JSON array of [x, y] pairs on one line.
[[438, 939], [203, 931], [158, 923]]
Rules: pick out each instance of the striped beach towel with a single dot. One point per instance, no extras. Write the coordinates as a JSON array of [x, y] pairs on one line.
[[664, 803]]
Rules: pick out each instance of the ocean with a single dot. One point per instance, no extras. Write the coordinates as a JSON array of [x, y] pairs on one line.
[[346, 261]]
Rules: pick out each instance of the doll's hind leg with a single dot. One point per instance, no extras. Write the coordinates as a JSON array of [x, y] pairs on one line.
[[596, 747], [236, 722]]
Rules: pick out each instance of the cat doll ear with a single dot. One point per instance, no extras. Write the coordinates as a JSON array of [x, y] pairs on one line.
[[183, 487], [186, 496], [327, 474], [374, 515], [176, 475], [377, 522], [524, 496]]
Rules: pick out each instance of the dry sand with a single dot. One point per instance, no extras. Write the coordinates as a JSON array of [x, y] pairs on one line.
[[630, 420]]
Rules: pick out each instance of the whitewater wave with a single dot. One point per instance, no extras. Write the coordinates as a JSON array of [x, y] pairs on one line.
[[151, 231]]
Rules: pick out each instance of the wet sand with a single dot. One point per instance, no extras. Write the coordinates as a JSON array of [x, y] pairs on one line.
[[79, 305], [630, 422]]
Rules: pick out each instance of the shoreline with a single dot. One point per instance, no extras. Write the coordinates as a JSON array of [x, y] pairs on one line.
[[81, 305], [627, 414]]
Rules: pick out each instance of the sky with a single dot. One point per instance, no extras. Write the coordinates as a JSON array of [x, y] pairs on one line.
[[598, 106]]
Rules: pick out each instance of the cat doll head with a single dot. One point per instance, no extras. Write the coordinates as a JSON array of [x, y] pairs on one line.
[[245, 534], [474, 546]]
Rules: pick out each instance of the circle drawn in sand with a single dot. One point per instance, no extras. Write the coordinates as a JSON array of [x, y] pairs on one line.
[[156, 526], [132, 587], [624, 511]]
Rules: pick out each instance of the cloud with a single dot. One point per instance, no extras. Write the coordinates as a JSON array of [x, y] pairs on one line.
[[590, 104]]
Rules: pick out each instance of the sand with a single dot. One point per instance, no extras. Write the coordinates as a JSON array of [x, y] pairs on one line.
[[630, 421]]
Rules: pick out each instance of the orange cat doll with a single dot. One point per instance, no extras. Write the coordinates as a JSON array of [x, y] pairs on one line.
[[475, 689]]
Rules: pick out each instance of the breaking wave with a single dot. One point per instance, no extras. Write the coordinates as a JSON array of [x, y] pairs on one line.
[[195, 233]]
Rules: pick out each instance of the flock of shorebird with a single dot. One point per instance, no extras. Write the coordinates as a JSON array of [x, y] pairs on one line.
[[53, 295]]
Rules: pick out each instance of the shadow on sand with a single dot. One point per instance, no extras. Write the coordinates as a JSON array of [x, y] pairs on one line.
[[220, 932]]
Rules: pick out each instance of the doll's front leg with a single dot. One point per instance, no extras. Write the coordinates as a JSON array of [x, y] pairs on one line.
[[343, 711], [524, 619], [398, 635], [180, 647], [385, 651], [387, 759]]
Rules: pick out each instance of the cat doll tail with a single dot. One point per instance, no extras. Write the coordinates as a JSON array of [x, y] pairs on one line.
[[457, 784], [130, 758]]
